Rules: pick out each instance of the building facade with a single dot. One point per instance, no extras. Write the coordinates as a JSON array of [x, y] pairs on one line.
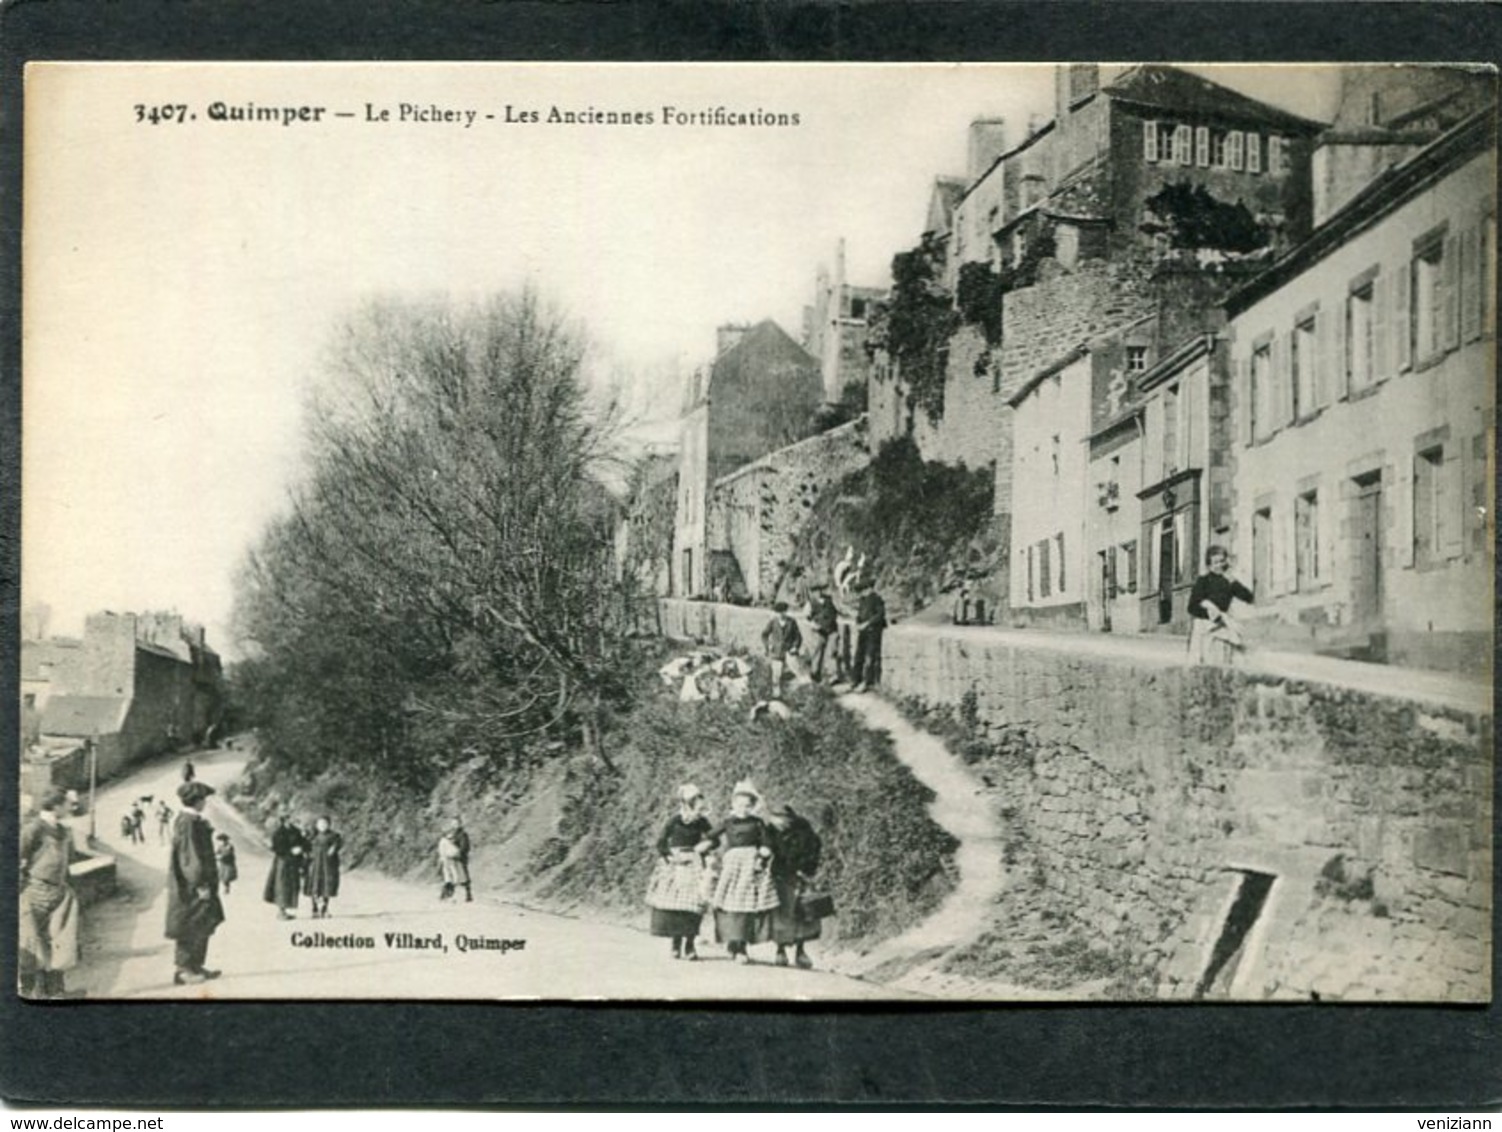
[[761, 393], [1365, 418]]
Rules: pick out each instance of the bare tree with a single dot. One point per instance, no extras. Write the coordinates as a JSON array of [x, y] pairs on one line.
[[455, 511]]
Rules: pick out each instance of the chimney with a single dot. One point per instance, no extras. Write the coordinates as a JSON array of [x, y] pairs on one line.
[[988, 141], [728, 334], [1073, 82]]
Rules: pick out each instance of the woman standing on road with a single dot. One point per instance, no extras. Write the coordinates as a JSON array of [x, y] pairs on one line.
[[676, 891], [795, 859], [323, 867], [745, 892], [289, 851], [1214, 635]]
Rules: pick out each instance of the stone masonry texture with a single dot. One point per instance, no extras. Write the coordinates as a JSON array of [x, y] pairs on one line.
[[1147, 790]]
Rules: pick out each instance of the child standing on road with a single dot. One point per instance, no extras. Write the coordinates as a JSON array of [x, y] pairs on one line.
[[224, 853]]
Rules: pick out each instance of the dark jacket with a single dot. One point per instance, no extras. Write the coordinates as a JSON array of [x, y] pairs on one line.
[[284, 881], [824, 615], [192, 870], [871, 613], [1219, 591], [781, 636], [46, 852], [796, 849]]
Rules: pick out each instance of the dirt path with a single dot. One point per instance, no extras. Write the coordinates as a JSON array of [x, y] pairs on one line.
[[262, 957], [962, 808]]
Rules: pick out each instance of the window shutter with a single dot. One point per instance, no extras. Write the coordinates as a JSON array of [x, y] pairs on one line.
[[1243, 408], [1202, 146], [1450, 307], [1470, 284], [1150, 140], [1326, 358], [1402, 503], [1235, 140], [1253, 153], [1183, 145], [1402, 319], [1381, 327], [1283, 380], [1274, 153], [1451, 503]]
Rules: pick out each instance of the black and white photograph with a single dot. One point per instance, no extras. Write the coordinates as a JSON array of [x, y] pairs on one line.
[[710, 532]]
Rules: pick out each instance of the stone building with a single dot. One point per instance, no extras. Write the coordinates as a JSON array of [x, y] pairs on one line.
[[1364, 413], [1131, 201], [1053, 520], [835, 327], [761, 393], [139, 684]]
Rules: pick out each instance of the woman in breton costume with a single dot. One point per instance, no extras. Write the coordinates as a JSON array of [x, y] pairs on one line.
[[677, 891], [745, 894]]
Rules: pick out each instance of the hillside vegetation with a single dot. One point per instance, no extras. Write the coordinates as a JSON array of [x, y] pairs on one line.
[[921, 525]]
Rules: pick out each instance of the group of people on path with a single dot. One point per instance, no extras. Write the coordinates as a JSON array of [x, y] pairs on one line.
[[303, 862], [782, 640], [759, 889]]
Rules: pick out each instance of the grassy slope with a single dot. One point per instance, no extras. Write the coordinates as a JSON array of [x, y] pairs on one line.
[[570, 836]]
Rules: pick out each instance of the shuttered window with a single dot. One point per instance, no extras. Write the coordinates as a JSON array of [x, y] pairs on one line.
[[1253, 153], [1235, 149], [1202, 146]]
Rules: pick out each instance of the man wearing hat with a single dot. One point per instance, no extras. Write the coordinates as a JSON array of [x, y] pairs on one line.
[[782, 639], [193, 907]]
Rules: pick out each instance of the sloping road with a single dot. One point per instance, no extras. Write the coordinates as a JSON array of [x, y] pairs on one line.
[[262, 957]]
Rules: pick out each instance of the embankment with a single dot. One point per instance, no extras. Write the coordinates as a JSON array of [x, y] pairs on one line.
[[1234, 833]]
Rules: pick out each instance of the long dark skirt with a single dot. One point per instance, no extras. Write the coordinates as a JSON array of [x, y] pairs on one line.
[[283, 883], [742, 927], [787, 925], [666, 922]]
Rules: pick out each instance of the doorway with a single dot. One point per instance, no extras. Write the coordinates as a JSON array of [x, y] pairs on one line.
[[1167, 565], [1366, 561]]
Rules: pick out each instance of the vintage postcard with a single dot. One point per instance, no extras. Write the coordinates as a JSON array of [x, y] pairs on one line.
[[1014, 533]]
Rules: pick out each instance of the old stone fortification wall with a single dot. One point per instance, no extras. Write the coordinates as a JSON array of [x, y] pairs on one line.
[[757, 511], [1140, 793]]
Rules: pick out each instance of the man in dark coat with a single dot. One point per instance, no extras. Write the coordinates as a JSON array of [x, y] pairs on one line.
[[826, 619], [782, 640], [193, 907], [870, 622]]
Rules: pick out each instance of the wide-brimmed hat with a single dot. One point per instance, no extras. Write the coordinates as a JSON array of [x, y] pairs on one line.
[[194, 792], [780, 607], [747, 787]]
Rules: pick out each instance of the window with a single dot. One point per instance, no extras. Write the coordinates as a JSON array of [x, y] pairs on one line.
[[1183, 145], [1059, 552], [1202, 146], [1277, 154], [1129, 552], [1045, 572], [857, 308], [1235, 149], [1031, 572], [1262, 551], [1019, 245], [1301, 380], [1054, 450], [29, 699], [1428, 301], [1170, 431], [1136, 359], [1360, 358], [1220, 144], [1254, 153], [1150, 141], [1428, 505], [1262, 391], [1306, 540]]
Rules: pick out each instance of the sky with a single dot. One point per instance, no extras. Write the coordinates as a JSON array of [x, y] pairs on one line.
[[181, 279]]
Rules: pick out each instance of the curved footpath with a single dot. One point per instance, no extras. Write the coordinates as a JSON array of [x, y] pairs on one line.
[[910, 961]]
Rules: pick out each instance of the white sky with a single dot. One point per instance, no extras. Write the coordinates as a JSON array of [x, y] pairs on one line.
[[180, 280]]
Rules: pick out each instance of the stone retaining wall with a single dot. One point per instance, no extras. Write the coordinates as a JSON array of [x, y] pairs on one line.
[[1142, 795]]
